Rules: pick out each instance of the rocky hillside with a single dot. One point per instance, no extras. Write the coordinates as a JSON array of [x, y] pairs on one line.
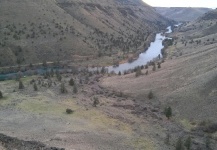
[[55, 30], [182, 13]]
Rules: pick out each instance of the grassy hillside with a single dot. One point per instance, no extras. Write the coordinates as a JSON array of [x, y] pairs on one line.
[[55, 30], [186, 81], [182, 13]]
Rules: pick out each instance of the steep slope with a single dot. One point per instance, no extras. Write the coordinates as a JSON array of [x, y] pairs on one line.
[[182, 13], [55, 30]]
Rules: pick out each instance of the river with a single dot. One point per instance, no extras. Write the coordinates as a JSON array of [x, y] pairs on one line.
[[153, 51]]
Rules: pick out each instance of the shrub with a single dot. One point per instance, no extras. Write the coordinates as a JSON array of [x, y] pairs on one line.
[[69, 111]]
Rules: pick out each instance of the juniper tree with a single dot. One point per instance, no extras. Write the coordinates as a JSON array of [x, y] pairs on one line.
[[69, 111], [35, 87], [208, 142], [1, 95], [168, 112], [52, 72], [63, 88], [71, 82], [59, 78], [167, 139], [75, 89], [154, 67], [103, 70], [188, 143], [44, 64], [146, 73], [158, 65], [179, 145], [150, 95], [95, 101], [21, 86], [138, 71]]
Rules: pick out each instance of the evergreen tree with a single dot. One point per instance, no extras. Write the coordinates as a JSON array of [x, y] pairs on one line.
[[208, 142], [167, 140], [179, 145], [159, 65], [44, 64], [146, 73], [138, 71], [69, 111], [119, 73], [95, 101], [63, 88], [59, 78], [21, 86], [154, 67], [168, 112], [71, 82], [75, 90], [35, 87], [1, 95], [52, 72], [188, 143], [103, 70], [150, 95]]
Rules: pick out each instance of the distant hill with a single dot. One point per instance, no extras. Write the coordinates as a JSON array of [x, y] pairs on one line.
[[182, 13], [203, 26], [35, 31]]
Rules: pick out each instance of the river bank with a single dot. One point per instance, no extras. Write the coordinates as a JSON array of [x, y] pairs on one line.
[[149, 54]]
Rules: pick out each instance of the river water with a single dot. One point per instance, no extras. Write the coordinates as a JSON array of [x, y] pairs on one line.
[[153, 51]]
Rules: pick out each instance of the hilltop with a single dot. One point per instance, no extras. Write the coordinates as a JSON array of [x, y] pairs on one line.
[[36, 31], [182, 13]]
